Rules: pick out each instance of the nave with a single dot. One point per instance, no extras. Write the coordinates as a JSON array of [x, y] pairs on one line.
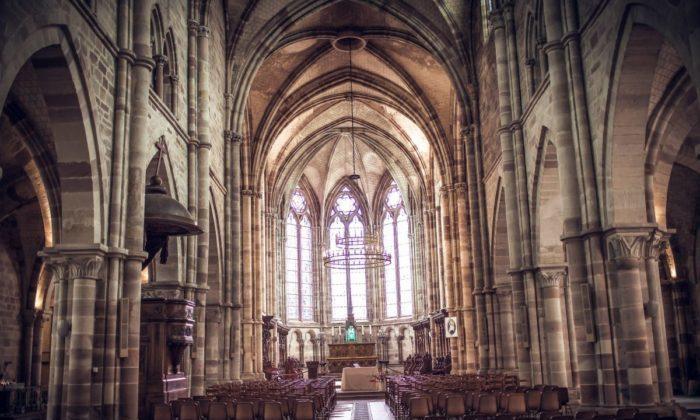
[[236, 193]]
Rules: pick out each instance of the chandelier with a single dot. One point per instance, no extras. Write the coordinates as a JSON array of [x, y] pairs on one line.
[[355, 252]]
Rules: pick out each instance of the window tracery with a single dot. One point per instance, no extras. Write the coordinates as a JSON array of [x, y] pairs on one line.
[[299, 260], [398, 276]]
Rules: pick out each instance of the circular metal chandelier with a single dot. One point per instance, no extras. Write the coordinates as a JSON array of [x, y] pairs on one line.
[[357, 252]]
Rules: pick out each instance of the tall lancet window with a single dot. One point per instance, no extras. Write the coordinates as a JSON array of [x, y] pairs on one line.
[[398, 276], [348, 287], [299, 260]]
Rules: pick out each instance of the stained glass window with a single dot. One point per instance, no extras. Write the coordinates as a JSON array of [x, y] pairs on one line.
[[396, 236], [346, 220], [299, 281]]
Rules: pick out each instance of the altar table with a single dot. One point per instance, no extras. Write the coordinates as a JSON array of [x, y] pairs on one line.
[[360, 379]]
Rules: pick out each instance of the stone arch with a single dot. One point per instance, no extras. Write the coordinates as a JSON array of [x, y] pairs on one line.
[[626, 183], [499, 241], [548, 221], [49, 52], [216, 292]]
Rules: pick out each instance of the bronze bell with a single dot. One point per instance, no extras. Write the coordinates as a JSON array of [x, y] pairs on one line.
[[164, 217]]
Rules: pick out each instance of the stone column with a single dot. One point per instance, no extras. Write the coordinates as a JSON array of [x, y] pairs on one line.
[[59, 331], [161, 61], [469, 138], [583, 254], [505, 330], [248, 285], [29, 317], [237, 280], [658, 319], [41, 318], [551, 283], [203, 182], [510, 189], [213, 364], [130, 304], [83, 274], [624, 254], [450, 297], [466, 282]]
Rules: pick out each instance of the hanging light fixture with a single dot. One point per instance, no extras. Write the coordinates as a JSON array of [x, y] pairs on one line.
[[355, 252]]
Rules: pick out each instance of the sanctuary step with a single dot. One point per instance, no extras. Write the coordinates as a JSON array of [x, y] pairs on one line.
[[356, 395]]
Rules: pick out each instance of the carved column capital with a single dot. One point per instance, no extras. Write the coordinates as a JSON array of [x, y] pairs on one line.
[[203, 31], [552, 278], [496, 20], [70, 262], [622, 246], [192, 27], [160, 60]]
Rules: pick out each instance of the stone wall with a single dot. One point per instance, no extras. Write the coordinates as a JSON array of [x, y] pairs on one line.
[[10, 311]]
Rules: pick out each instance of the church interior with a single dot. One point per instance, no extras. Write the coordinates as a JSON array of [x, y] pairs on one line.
[[368, 209]]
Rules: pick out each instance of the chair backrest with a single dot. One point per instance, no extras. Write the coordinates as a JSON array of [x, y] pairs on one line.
[[562, 418], [626, 413], [516, 403], [245, 410], [203, 404], [218, 410], [418, 407], [304, 410], [533, 398], [503, 402], [550, 401], [605, 417], [189, 410], [646, 416], [585, 415], [162, 411], [272, 410], [563, 395], [488, 405], [454, 406], [176, 405]]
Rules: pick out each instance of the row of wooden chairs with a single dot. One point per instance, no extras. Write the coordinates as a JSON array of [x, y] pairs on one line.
[[190, 409]]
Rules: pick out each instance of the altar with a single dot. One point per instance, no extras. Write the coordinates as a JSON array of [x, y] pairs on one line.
[[360, 379], [342, 355]]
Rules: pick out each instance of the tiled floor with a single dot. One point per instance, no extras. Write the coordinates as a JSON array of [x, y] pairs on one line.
[[361, 410]]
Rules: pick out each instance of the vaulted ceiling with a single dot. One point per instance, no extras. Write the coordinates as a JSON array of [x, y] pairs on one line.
[[407, 81]]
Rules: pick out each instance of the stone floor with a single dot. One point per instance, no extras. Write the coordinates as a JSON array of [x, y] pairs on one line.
[[361, 410]]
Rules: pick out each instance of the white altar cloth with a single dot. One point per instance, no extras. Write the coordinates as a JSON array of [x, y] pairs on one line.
[[360, 379]]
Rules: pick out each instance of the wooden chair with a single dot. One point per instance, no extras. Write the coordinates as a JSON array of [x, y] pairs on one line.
[[304, 410], [585, 415], [488, 405], [244, 411], [217, 410], [418, 408], [454, 407], [626, 413], [272, 410], [189, 410], [516, 404], [162, 411]]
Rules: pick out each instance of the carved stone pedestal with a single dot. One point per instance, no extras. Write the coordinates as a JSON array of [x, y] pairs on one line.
[[167, 323]]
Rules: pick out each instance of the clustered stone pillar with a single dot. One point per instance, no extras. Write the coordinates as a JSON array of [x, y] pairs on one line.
[[76, 271], [651, 260], [520, 313], [551, 283], [203, 159], [130, 307], [624, 253]]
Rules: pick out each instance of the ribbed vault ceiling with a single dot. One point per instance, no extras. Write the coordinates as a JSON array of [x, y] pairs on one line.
[[406, 108]]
